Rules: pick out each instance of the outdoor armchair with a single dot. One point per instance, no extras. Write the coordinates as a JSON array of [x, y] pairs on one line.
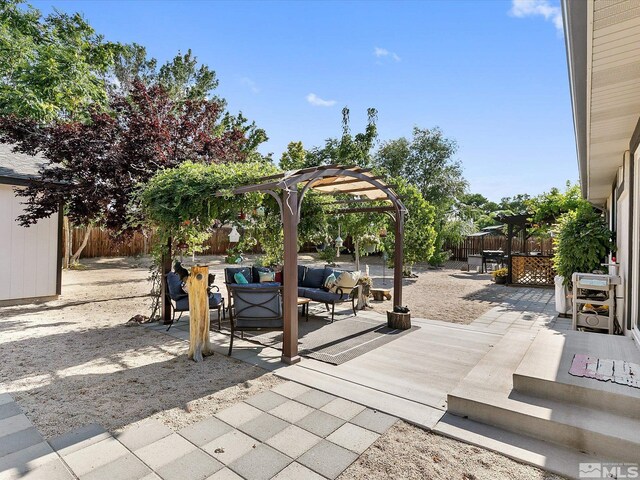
[[255, 308], [179, 299]]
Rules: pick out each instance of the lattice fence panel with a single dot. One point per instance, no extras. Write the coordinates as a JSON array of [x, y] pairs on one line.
[[532, 270]]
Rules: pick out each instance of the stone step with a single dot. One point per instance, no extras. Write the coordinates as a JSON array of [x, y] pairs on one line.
[[544, 371], [486, 395], [539, 453], [582, 428]]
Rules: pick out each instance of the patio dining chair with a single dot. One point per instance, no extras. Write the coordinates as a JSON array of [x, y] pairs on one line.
[[179, 299], [255, 308]]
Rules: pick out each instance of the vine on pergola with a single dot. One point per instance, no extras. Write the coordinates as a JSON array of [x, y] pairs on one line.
[[185, 203]]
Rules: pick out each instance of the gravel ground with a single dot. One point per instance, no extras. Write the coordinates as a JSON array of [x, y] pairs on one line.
[[72, 362], [446, 294], [409, 452]]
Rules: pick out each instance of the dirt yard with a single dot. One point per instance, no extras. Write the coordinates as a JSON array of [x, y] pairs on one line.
[[409, 452], [447, 294], [73, 361]]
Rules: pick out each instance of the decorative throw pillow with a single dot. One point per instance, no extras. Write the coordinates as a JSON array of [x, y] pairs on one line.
[[346, 281], [240, 279], [267, 276], [329, 282], [278, 277]]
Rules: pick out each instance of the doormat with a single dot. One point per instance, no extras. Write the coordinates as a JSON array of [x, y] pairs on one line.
[[606, 370]]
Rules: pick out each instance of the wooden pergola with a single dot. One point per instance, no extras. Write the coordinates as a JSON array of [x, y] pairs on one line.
[[523, 267], [289, 189]]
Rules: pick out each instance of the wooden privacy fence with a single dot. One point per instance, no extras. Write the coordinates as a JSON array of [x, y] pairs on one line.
[[102, 244], [475, 245]]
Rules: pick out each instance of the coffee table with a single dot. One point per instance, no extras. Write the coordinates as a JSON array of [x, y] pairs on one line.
[[305, 306]]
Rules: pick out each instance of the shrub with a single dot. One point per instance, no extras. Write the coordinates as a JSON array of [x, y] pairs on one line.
[[582, 240], [500, 272]]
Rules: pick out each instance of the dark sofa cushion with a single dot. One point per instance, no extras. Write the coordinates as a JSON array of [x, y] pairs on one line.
[[248, 324], [319, 295], [182, 305], [229, 272], [302, 271], [313, 278], [301, 291], [263, 284]]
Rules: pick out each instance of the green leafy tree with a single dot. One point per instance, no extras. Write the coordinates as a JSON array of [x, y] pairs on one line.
[[130, 64], [548, 207], [349, 149], [515, 205], [294, 158], [426, 161], [419, 232], [361, 227], [51, 67]]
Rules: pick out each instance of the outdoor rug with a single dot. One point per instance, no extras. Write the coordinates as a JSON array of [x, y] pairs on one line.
[[606, 370], [337, 342]]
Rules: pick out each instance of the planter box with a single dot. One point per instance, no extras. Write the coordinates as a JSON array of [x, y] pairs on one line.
[[501, 280], [399, 321]]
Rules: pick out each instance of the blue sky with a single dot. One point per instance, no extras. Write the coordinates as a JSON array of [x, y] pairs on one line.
[[491, 74]]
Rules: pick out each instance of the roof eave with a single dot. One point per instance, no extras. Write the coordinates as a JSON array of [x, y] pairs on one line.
[[574, 17]]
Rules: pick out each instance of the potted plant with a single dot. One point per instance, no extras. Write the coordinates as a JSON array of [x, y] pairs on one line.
[[500, 275], [370, 243]]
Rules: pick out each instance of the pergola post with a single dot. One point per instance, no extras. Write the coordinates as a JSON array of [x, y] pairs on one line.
[[165, 267], [289, 212], [398, 258], [509, 250]]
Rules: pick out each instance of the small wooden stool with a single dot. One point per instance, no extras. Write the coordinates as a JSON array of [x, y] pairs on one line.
[[379, 294]]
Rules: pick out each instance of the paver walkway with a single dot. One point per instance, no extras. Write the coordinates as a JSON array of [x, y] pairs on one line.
[[519, 308], [290, 432]]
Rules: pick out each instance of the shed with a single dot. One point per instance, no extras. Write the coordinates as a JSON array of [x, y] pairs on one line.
[[31, 257]]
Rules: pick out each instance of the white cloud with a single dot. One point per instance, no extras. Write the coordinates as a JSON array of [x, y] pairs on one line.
[[532, 8], [253, 86], [383, 52], [380, 52], [316, 101]]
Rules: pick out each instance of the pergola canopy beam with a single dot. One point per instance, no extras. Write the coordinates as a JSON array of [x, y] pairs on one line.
[[364, 210]]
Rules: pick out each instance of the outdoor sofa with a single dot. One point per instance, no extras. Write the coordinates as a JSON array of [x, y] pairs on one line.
[[311, 284]]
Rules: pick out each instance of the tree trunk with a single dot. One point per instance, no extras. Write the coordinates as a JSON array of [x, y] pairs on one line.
[[67, 242], [399, 321], [199, 344], [85, 240]]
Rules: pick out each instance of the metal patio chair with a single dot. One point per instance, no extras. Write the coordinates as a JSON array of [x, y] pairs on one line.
[[255, 308]]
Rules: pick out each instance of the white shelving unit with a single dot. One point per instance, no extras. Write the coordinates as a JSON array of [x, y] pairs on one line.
[[597, 290]]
